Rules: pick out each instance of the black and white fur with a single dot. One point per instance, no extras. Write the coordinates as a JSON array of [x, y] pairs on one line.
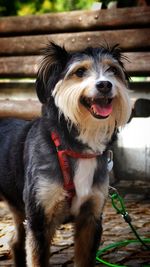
[[75, 88]]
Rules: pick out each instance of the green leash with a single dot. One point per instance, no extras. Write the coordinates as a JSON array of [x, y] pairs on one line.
[[119, 206]]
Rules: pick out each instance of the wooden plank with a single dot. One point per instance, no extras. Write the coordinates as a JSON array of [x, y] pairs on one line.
[[19, 66], [29, 109], [76, 20], [139, 63], [29, 87], [20, 109], [27, 66], [17, 93], [129, 40], [139, 90]]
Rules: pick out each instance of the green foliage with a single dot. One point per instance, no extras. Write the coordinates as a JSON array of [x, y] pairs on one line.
[[26, 7]]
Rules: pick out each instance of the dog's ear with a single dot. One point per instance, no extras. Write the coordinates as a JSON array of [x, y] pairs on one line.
[[52, 65], [116, 52]]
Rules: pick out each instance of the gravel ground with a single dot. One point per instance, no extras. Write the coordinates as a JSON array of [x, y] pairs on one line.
[[114, 229]]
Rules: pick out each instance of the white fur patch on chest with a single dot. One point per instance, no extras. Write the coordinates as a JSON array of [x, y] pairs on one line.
[[83, 178]]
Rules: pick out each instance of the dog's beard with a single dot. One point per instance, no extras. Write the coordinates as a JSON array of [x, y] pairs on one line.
[[121, 105], [68, 97]]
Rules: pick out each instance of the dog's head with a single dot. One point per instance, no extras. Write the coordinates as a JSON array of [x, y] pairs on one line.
[[89, 85]]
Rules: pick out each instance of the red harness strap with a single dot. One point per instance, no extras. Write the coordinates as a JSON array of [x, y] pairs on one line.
[[64, 164]]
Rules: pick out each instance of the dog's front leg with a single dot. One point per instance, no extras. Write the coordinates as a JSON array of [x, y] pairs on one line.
[[37, 235], [18, 244], [88, 232], [37, 247], [45, 210]]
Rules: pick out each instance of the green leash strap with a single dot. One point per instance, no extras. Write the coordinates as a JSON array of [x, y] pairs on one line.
[[119, 206], [115, 245]]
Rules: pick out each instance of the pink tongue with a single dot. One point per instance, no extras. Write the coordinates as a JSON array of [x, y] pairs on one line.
[[102, 111]]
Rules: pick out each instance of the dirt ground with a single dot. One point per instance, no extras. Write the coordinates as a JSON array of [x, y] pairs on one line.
[[114, 229]]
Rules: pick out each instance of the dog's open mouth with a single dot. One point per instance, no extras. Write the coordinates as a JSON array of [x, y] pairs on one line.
[[100, 108]]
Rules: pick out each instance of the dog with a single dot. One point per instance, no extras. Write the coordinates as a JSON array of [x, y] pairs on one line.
[[84, 100]]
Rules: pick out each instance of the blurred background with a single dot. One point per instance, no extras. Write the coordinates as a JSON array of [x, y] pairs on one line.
[[25, 27], [26, 7]]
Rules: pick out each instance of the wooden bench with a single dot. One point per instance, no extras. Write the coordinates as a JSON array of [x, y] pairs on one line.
[[21, 40]]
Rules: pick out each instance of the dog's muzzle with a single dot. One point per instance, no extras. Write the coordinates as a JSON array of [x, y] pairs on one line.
[[100, 106]]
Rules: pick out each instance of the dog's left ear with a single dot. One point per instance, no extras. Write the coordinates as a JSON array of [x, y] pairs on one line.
[[116, 52], [52, 65]]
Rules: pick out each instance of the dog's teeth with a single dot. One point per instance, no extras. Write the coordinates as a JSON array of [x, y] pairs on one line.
[[94, 111], [106, 100]]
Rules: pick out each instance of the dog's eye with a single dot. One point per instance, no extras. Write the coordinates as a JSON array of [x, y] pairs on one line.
[[80, 72], [114, 70]]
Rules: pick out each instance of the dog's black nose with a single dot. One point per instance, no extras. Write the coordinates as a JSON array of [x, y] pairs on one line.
[[104, 87]]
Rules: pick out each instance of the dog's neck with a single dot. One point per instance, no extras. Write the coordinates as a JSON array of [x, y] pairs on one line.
[[92, 135], [97, 135]]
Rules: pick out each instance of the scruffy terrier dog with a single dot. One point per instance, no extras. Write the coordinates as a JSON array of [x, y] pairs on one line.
[[55, 167]]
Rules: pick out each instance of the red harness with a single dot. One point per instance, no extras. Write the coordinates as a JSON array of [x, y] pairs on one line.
[[64, 164]]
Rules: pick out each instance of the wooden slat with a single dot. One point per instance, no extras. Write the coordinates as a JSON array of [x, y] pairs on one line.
[[29, 109], [129, 40], [76, 20], [18, 91], [27, 87], [20, 109], [138, 64], [19, 66], [27, 66]]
